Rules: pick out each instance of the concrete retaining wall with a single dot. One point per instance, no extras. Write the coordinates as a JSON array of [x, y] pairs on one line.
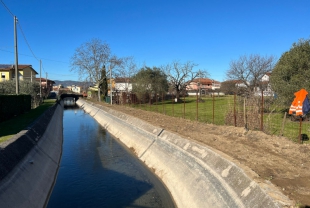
[[195, 175], [29, 162]]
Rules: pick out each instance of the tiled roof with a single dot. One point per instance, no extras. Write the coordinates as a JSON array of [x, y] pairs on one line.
[[122, 80], [4, 66], [268, 73], [44, 80], [9, 67], [205, 81]]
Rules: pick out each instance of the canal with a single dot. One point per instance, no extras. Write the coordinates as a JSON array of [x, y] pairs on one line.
[[96, 170]]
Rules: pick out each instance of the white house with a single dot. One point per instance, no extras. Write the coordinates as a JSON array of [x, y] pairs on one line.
[[76, 89], [123, 85], [266, 86]]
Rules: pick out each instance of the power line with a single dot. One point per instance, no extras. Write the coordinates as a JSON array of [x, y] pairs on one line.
[[43, 67], [20, 27], [64, 74], [24, 36], [35, 57], [7, 8]]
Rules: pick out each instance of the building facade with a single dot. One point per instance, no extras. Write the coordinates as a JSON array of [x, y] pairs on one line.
[[25, 72], [202, 85]]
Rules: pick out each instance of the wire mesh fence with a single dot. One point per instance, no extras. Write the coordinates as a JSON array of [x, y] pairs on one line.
[[251, 112]]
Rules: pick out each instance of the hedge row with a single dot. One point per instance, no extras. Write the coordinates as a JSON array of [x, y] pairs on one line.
[[11, 105]]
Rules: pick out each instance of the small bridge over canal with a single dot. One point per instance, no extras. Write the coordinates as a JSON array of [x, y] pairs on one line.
[[69, 99]]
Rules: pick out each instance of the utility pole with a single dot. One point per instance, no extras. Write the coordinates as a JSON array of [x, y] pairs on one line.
[[47, 91], [40, 80], [16, 56]]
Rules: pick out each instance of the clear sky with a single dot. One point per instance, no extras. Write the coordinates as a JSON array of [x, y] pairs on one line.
[[210, 33]]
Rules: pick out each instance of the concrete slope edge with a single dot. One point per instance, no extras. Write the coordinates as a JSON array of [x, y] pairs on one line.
[[195, 175], [31, 180]]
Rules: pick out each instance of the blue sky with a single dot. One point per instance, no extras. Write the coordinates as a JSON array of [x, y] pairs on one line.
[[210, 33]]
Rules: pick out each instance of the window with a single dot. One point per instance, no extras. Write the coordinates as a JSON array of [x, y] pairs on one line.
[[3, 76]]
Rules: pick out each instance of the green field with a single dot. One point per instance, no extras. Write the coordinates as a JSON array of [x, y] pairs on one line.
[[13, 126], [208, 110], [215, 109]]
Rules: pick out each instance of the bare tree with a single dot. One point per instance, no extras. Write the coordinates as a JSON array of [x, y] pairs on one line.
[[180, 74], [229, 87], [125, 71], [90, 60], [250, 70]]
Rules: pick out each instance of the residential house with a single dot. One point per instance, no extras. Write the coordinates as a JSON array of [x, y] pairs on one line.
[[76, 89], [123, 85], [25, 72], [46, 85], [202, 85], [56, 88], [265, 86], [240, 83]]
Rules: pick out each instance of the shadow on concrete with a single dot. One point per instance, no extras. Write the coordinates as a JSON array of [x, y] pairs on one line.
[[98, 171]]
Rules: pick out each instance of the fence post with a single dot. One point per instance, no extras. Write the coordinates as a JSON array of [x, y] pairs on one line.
[[244, 114], [129, 100], [172, 105], [197, 106], [262, 113], [235, 117], [283, 123], [118, 98], [150, 100], [300, 125], [213, 107], [163, 102], [156, 103], [184, 105], [145, 106]]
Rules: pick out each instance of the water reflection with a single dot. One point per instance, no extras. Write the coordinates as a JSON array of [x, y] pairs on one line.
[[97, 171]]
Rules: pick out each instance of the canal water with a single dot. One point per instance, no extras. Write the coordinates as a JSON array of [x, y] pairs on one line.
[[96, 170]]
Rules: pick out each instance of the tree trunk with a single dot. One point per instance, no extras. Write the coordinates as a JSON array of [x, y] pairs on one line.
[[99, 94], [177, 95]]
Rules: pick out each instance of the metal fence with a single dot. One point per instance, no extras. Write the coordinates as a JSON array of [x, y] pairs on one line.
[[252, 112]]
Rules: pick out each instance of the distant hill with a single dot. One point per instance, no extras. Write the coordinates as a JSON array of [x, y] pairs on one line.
[[65, 83]]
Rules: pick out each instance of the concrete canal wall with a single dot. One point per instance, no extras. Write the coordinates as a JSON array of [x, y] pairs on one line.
[[195, 175], [30, 160]]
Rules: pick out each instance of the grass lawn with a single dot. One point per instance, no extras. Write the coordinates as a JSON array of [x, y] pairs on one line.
[[285, 127], [214, 110], [209, 110], [16, 124]]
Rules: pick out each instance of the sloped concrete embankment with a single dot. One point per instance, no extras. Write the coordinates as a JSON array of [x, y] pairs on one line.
[[194, 175], [29, 161]]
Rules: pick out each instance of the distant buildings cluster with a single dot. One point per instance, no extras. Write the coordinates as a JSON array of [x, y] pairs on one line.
[[202, 86]]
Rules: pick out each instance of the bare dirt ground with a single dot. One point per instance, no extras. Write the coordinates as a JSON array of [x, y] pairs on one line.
[[272, 159]]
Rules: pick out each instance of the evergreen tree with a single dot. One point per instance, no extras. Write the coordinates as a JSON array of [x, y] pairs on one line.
[[292, 72]]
